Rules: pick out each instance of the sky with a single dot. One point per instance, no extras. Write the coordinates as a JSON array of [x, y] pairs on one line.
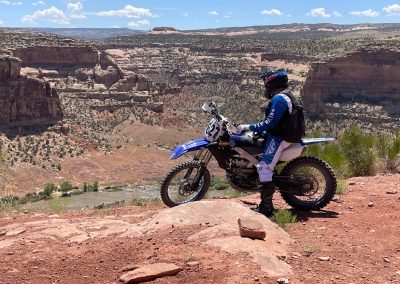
[[188, 14]]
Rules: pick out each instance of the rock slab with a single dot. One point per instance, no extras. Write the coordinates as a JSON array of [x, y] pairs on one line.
[[150, 272], [249, 228]]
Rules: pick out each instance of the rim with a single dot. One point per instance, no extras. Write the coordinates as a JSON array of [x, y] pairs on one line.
[[179, 189], [314, 182]]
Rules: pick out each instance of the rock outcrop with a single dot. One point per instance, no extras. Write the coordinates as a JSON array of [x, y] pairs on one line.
[[213, 223], [60, 56], [340, 80], [25, 101]]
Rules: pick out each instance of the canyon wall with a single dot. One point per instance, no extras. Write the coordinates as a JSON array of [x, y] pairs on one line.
[[367, 76], [59, 56], [25, 101]]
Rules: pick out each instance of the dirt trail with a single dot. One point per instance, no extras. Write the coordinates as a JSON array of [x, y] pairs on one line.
[[357, 239]]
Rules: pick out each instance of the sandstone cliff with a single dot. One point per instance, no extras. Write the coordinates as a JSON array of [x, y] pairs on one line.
[[367, 76], [59, 56], [25, 101]]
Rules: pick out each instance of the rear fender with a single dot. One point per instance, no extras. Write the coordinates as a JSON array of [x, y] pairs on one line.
[[192, 145]]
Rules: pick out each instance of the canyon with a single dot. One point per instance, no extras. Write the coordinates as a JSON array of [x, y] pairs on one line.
[[96, 96]]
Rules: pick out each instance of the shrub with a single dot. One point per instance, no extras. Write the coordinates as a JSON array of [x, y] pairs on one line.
[[143, 202], [331, 153], [66, 186], [49, 188], [283, 217], [341, 186], [218, 183], [91, 187], [58, 205], [388, 149], [95, 186], [358, 148]]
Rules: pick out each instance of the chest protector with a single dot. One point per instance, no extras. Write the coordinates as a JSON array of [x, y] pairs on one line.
[[291, 126]]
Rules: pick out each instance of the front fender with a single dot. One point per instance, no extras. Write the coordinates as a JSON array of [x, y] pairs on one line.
[[192, 145]]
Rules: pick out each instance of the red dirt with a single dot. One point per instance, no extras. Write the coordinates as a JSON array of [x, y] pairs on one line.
[[362, 243]]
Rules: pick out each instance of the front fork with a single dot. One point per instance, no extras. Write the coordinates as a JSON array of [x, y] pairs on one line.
[[203, 156]]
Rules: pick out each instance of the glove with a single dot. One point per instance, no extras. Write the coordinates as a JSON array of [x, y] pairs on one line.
[[243, 128]]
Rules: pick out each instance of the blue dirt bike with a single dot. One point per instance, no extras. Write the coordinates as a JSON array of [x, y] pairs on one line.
[[305, 182]]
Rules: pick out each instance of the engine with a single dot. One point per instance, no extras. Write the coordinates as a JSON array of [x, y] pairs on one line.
[[242, 175]]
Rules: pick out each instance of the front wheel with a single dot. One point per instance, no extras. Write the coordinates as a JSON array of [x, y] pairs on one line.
[[186, 182], [318, 179]]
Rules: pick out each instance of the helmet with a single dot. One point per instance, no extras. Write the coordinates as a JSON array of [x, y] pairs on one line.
[[273, 81]]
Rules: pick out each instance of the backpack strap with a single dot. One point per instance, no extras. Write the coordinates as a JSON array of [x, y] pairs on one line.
[[295, 101]]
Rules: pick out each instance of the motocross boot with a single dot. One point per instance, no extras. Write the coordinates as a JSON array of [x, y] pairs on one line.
[[267, 190]]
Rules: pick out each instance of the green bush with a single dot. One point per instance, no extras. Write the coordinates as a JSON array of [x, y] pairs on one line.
[[331, 153], [388, 148], [58, 205], [358, 148], [283, 217], [218, 183], [91, 187], [49, 188], [341, 186], [66, 186]]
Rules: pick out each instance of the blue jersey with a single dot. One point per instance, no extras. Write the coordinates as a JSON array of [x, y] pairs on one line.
[[280, 103]]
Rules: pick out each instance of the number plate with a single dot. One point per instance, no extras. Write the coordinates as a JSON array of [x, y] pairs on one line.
[[213, 130]]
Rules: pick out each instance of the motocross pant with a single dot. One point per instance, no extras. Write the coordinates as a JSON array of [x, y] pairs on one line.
[[273, 150]]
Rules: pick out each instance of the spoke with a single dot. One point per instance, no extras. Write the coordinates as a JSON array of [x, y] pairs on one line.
[[180, 190]]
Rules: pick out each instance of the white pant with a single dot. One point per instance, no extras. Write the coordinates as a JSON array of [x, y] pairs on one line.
[[266, 171]]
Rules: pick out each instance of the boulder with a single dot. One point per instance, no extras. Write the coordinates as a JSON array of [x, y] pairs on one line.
[[150, 272], [249, 228], [219, 219]]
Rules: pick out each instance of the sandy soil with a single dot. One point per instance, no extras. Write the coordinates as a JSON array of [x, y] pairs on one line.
[[145, 157], [358, 233]]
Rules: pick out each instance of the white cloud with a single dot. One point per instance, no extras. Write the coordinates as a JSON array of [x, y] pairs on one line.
[[392, 10], [318, 12], [76, 10], [336, 14], [1, 23], [213, 13], [138, 23], [75, 7], [186, 14], [227, 16], [128, 11], [5, 2], [272, 12], [52, 15], [38, 3], [366, 13]]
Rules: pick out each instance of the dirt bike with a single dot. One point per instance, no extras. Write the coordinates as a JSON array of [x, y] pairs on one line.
[[305, 182]]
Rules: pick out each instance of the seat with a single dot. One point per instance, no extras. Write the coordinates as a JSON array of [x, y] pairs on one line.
[[310, 141]]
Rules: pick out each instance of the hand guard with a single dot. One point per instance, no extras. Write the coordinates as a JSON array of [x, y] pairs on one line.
[[243, 128]]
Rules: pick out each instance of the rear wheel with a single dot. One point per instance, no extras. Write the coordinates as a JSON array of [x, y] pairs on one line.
[[318, 183], [186, 182]]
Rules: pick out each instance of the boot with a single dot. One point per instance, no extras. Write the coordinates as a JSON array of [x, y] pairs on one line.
[[267, 190]]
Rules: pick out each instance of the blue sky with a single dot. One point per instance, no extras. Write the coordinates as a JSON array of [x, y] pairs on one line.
[[187, 14]]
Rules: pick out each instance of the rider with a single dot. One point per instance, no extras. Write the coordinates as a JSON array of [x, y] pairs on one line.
[[279, 108]]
